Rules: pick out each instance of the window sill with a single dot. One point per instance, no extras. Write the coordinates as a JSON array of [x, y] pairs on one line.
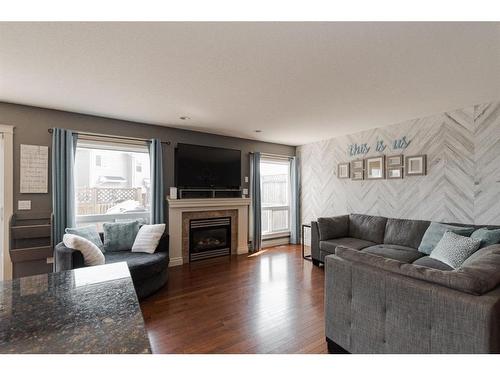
[[271, 236]]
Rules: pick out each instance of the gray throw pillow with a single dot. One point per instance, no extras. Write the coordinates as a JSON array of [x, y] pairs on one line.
[[435, 232], [90, 233], [487, 236], [454, 249], [120, 236]]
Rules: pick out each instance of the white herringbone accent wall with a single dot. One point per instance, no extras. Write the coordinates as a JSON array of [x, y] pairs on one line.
[[462, 183]]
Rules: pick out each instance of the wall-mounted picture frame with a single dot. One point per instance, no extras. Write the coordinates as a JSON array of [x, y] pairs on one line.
[[394, 173], [375, 168], [343, 170], [358, 175], [394, 161], [416, 165], [358, 165]]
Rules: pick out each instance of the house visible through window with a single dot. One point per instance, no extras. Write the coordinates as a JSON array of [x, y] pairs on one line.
[[116, 186], [275, 197]]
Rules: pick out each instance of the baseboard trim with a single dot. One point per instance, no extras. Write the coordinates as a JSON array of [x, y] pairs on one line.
[[176, 262]]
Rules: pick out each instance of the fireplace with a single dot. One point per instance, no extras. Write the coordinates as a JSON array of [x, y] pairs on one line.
[[209, 238]]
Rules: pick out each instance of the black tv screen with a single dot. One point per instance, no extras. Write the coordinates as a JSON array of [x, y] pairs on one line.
[[207, 167]]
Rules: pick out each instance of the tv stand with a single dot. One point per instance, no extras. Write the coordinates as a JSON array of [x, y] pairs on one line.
[[209, 193]]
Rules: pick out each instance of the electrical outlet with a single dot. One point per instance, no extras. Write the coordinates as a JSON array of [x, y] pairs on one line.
[[246, 178], [245, 191]]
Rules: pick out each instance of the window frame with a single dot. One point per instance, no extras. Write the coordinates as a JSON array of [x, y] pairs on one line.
[[109, 144], [287, 207]]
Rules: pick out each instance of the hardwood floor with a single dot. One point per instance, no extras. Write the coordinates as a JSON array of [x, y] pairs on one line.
[[269, 302]]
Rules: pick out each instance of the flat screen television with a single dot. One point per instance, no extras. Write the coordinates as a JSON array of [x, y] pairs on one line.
[[206, 167]]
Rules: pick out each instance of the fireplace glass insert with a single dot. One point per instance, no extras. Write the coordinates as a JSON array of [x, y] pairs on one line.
[[209, 238]]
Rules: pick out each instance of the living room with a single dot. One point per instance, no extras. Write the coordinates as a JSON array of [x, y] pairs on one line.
[[249, 188]]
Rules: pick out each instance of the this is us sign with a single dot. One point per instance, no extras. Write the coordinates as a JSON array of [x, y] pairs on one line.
[[380, 146]]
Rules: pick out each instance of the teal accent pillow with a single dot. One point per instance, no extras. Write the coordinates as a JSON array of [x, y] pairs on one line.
[[487, 236], [90, 233], [435, 232], [120, 236]]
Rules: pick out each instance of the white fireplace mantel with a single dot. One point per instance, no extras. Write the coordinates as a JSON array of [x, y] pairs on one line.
[[177, 206]]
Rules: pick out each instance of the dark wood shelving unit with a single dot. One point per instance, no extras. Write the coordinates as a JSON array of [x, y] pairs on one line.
[[31, 248]]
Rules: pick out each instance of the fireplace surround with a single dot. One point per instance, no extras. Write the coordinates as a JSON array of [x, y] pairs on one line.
[[182, 211]]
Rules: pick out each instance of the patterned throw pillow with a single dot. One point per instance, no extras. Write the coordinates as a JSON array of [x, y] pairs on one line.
[[487, 236], [454, 249], [148, 238], [435, 232], [92, 255], [90, 233]]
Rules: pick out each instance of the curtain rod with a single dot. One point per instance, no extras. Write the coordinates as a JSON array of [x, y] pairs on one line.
[[115, 137], [274, 155]]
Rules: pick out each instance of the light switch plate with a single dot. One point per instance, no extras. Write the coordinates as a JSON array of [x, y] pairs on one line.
[[24, 205], [246, 178]]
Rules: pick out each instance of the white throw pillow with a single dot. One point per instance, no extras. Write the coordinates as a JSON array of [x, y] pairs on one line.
[[92, 255], [453, 249], [148, 238]]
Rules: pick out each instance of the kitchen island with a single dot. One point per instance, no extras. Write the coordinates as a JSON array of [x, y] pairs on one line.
[[86, 310]]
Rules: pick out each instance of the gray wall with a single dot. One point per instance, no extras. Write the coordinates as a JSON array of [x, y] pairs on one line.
[[462, 184], [32, 124]]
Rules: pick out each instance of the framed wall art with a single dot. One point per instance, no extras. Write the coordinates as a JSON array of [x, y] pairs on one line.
[[375, 168], [343, 170], [416, 165], [358, 175], [394, 166], [394, 161]]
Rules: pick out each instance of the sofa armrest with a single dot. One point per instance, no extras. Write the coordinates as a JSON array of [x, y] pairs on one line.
[[66, 258], [477, 277], [315, 241], [163, 244]]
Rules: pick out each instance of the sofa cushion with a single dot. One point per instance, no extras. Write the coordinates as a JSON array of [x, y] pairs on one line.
[[402, 253], [435, 232], [487, 236], [333, 227], [353, 243], [366, 227], [120, 236], [405, 232], [141, 265], [429, 262]]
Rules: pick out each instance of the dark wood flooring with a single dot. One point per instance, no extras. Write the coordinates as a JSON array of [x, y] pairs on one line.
[[269, 302]]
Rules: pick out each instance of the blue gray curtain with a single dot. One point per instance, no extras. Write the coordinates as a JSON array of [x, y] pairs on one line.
[[256, 201], [63, 183], [294, 202], [156, 158]]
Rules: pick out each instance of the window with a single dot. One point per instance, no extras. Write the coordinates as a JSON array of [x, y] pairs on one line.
[[112, 182], [275, 197]]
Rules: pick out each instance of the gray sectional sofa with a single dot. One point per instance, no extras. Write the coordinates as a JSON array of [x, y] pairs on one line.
[[383, 296]]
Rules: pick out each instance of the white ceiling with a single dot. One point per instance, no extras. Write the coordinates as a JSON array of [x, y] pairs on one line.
[[297, 82]]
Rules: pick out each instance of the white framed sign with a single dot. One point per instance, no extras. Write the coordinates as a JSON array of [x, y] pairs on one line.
[[34, 169]]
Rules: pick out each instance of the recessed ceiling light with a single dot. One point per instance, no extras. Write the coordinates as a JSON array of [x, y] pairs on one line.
[[185, 118], [258, 131]]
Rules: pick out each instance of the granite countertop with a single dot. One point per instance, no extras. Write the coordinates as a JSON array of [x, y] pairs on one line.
[[87, 310]]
